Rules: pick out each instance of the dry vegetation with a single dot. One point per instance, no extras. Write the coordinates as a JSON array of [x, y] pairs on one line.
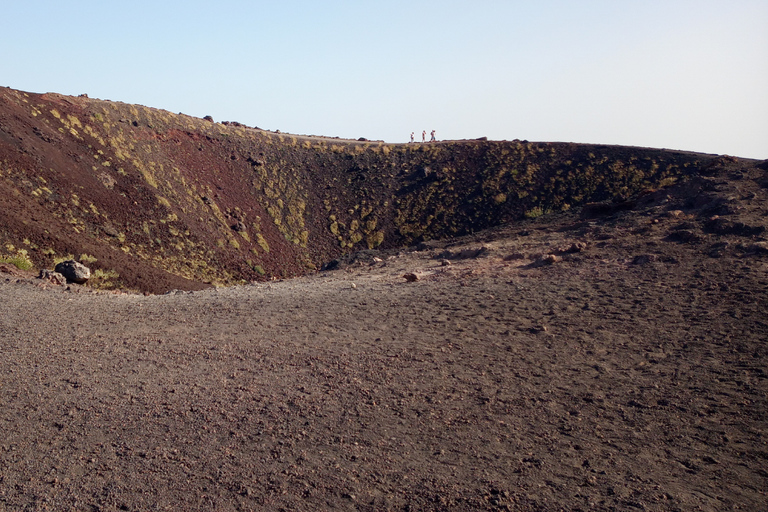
[[186, 202], [499, 325]]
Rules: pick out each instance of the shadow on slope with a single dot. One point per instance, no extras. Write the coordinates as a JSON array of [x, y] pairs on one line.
[[158, 201]]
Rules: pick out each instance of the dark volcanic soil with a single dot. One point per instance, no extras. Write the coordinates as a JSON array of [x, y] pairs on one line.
[[623, 370], [156, 201]]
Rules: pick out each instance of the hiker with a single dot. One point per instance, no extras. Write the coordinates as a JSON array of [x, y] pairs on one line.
[[433, 136], [424, 136], [411, 136]]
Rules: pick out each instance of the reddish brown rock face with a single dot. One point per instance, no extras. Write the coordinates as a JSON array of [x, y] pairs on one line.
[[157, 201]]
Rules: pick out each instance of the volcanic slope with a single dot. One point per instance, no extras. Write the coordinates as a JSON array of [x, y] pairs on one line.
[[156, 201], [610, 357]]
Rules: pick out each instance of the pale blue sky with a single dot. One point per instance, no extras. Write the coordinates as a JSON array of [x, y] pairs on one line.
[[679, 74]]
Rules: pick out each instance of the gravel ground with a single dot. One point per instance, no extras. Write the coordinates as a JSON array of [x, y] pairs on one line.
[[627, 371]]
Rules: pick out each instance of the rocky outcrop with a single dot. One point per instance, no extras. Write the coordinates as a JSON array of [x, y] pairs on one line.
[[73, 271]]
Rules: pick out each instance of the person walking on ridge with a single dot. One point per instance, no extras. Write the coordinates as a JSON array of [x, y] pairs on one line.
[[424, 136], [411, 136], [433, 136]]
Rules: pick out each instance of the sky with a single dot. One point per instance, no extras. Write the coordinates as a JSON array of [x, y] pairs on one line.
[[676, 74]]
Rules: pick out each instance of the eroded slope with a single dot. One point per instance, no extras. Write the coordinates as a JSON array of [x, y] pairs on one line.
[[155, 200]]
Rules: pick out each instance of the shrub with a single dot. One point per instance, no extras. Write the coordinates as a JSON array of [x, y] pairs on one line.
[[534, 212], [59, 259], [19, 260], [104, 279], [262, 242]]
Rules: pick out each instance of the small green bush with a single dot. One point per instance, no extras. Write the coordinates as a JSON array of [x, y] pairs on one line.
[[20, 261], [87, 258], [534, 212], [59, 259], [104, 279]]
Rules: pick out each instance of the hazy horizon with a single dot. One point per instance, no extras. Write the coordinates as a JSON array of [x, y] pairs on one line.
[[677, 74]]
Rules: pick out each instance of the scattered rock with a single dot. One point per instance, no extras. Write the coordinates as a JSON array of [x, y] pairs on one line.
[[711, 204], [644, 259], [429, 245], [110, 230], [718, 250], [736, 175], [577, 247], [73, 271], [549, 259], [7, 268], [757, 248], [464, 254], [365, 257], [256, 162], [573, 248], [721, 226], [683, 236], [685, 225], [514, 256], [546, 259], [52, 276], [107, 180], [410, 277], [331, 265], [749, 196]]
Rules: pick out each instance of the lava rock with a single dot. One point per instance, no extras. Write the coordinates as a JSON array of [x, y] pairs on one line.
[[73, 271], [54, 277], [684, 236], [644, 259]]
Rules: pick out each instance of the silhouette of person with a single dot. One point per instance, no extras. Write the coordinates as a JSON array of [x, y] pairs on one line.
[[424, 136], [433, 136], [411, 136]]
